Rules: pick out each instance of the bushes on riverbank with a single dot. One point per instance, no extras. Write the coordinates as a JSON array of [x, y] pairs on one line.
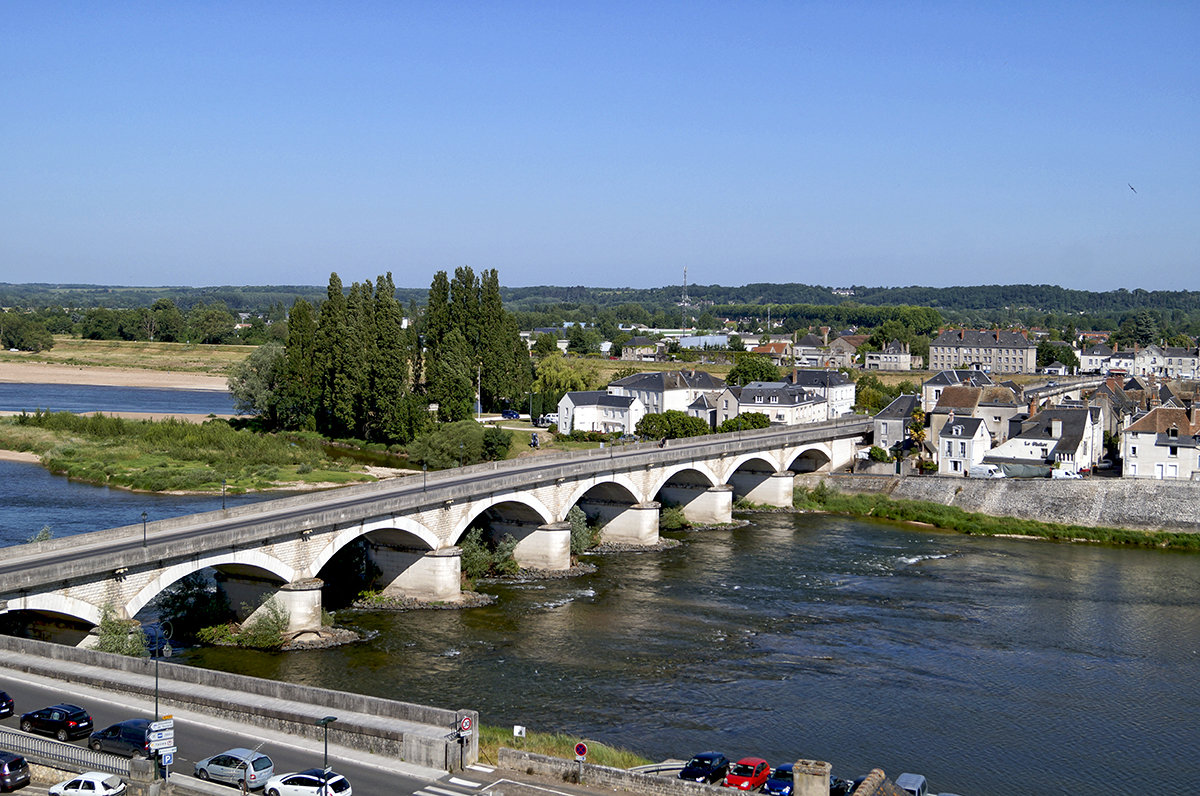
[[554, 745], [170, 455], [822, 498]]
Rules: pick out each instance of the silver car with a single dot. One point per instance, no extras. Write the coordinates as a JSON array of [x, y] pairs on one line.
[[237, 766]]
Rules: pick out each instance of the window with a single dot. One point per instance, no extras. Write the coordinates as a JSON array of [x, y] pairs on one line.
[[1133, 450], [962, 449], [949, 447], [884, 429], [1173, 451]]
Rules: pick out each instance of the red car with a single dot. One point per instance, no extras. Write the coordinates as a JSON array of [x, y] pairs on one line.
[[749, 773]]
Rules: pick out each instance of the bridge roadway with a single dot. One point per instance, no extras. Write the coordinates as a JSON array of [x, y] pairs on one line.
[[414, 523]]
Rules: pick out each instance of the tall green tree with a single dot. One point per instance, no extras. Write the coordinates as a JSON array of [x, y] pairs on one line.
[[451, 382], [390, 385], [299, 390], [465, 307], [752, 367], [336, 392], [436, 321]]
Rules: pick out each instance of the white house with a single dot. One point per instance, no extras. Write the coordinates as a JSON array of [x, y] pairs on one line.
[[962, 442], [662, 390], [596, 410], [1071, 439], [931, 390], [836, 389], [784, 404], [891, 424], [1163, 444]]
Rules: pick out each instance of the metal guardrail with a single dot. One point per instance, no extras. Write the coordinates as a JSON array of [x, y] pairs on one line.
[[52, 752]]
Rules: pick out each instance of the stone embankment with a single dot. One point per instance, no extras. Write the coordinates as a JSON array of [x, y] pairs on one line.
[[1094, 502]]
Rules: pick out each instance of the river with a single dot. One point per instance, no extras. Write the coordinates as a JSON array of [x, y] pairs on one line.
[[992, 666], [17, 397]]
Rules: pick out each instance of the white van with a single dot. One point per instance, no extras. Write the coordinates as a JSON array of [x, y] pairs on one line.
[[985, 471]]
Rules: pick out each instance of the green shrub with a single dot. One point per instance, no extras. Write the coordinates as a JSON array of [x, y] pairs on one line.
[[672, 519], [120, 636]]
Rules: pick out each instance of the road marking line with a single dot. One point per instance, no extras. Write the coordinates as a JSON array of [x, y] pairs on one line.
[[443, 791], [484, 769], [466, 783]]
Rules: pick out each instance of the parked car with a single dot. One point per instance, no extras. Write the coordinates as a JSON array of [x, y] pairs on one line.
[[510, 414], [1104, 464], [780, 781], [92, 783], [308, 783], [842, 787], [14, 771], [749, 773], [6, 705], [1057, 474], [130, 738], [237, 766], [985, 471], [64, 722], [705, 767]]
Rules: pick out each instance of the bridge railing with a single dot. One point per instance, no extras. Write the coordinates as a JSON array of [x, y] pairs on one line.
[[49, 751]]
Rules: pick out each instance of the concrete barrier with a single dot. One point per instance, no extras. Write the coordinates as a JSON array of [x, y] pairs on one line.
[[403, 730]]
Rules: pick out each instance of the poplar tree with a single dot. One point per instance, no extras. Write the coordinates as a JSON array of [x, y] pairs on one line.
[[451, 384], [436, 323], [299, 388], [335, 410], [465, 309], [390, 367], [359, 353]]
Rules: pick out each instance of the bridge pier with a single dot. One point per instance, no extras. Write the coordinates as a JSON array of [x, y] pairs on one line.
[[549, 547], [621, 523], [302, 601], [428, 575], [702, 505], [765, 489]]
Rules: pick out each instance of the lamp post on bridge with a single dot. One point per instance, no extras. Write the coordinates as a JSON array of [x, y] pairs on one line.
[[324, 724], [143, 529]]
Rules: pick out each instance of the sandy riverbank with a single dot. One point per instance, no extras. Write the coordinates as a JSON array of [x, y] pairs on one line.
[[42, 373]]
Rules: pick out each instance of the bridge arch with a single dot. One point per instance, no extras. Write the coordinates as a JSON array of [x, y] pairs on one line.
[[249, 559], [534, 510], [407, 530], [54, 603], [765, 459], [617, 487], [809, 459], [706, 476]]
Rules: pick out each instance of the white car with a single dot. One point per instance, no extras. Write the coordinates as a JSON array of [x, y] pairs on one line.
[[1064, 474], [308, 783], [92, 783]]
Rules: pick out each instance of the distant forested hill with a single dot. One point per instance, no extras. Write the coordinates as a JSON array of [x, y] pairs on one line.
[[951, 301]]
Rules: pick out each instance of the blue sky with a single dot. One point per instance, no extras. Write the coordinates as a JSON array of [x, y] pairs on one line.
[[602, 143]]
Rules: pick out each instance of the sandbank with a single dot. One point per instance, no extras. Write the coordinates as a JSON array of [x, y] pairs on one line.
[[44, 373]]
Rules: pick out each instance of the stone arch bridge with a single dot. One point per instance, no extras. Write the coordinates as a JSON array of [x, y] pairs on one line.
[[412, 526]]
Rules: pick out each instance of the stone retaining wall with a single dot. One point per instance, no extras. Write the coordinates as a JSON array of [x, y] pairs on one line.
[[602, 776], [1094, 502]]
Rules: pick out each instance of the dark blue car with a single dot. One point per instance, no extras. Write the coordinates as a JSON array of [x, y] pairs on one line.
[[510, 414], [780, 781], [706, 767]]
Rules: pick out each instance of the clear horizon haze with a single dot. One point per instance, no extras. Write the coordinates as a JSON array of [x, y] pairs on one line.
[[602, 144]]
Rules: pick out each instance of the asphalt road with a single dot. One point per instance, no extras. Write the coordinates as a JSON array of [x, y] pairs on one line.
[[198, 738]]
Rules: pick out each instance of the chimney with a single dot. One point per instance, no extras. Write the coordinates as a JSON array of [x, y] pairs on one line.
[[1056, 428], [997, 335]]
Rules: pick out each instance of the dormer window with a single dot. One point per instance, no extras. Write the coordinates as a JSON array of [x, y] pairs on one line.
[[1172, 433], [758, 399]]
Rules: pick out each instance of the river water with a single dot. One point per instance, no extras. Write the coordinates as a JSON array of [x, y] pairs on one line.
[[992, 666], [83, 398]]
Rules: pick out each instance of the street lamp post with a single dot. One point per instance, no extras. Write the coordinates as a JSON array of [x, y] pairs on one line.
[[324, 724], [222, 494], [143, 529], [164, 628]]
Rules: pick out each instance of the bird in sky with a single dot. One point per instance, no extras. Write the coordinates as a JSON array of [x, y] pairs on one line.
[[1132, 188]]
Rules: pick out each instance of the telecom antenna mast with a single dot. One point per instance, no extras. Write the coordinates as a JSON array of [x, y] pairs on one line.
[[684, 300]]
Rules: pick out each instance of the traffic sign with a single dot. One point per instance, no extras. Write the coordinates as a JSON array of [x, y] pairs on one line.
[[167, 743], [465, 724], [162, 735], [165, 724], [170, 750], [581, 750], [167, 758]]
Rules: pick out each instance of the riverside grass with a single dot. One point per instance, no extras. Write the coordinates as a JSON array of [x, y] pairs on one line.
[[171, 455], [553, 745], [822, 498]]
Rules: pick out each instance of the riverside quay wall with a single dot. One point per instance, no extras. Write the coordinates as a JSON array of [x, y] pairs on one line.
[[1094, 502]]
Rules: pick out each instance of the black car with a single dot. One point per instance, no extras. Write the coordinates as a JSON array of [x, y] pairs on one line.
[[14, 771], [64, 722], [130, 738], [6, 705], [706, 767]]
